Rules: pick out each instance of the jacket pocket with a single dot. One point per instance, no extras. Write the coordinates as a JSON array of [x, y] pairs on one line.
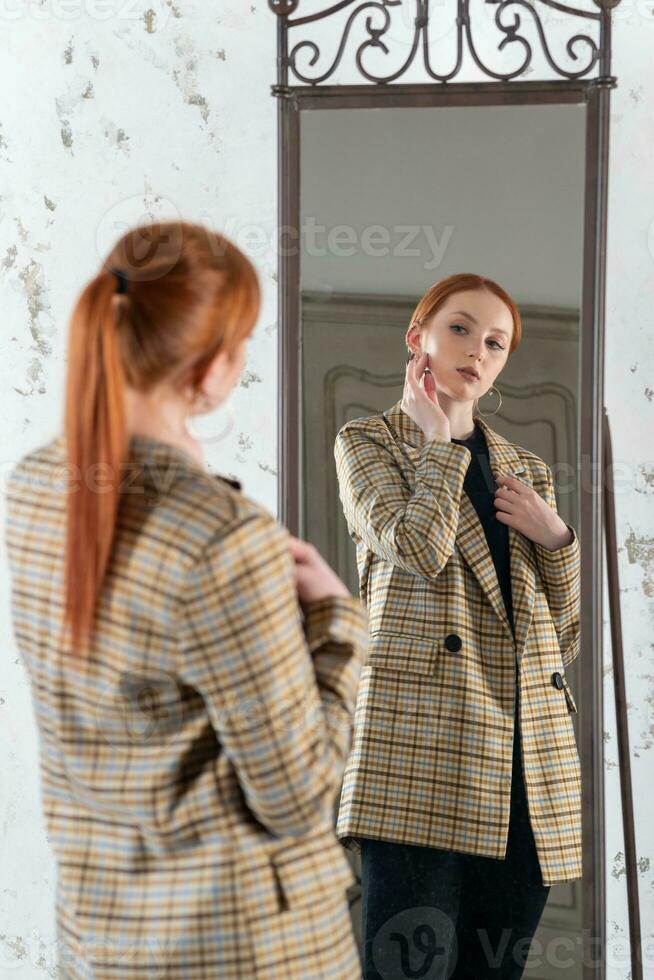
[[402, 651], [572, 707]]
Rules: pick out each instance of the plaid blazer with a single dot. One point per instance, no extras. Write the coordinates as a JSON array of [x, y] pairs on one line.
[[431, 756], [190, 769]]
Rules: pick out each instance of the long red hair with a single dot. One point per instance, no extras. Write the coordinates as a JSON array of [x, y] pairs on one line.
[[437, 294], [190, 294]]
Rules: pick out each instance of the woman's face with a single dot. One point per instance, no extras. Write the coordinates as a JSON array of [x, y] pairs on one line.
[[473, 328]]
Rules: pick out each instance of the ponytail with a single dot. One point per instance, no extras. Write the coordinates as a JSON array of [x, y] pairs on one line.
[[161, 319], [96, 443]]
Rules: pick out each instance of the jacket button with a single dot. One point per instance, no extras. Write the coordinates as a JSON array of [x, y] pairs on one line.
[[453, 642], [557, 680]]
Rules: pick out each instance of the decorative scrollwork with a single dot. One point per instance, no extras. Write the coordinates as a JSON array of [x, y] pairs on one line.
[[305, 53]]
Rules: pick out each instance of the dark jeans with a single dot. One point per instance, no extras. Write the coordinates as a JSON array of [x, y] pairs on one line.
[[434, 914]]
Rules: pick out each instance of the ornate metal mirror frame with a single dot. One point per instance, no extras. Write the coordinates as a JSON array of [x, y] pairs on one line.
[[299, 90]]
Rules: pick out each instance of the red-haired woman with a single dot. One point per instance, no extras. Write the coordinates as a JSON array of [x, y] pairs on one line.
[[194, 718], [462, 788]]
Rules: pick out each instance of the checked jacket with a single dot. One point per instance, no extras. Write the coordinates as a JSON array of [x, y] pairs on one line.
[[191, 766], [431, 755]]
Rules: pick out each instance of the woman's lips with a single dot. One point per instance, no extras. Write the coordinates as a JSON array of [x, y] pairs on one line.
[[467, 375]]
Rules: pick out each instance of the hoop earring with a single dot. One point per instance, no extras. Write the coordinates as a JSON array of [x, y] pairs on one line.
[[484, 414], [411, 353], [227, 421]]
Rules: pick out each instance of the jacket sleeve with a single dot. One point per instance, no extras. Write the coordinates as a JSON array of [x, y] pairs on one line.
[[560, 573], [414, 529], [281, 701]]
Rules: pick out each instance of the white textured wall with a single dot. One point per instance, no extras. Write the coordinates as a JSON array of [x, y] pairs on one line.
[[166, 109]]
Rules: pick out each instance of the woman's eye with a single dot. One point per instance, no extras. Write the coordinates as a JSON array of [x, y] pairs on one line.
[[457, 326]]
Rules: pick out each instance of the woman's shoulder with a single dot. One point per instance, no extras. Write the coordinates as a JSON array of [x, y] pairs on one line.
[[368, 426], [162, 490], [228, 529], [35, 471], [207, 507], [364, 441]]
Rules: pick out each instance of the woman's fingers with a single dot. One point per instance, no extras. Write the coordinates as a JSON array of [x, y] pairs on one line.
[[300, 550], [415, 375]]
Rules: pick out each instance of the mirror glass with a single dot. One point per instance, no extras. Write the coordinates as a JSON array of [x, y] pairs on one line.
[[392, 200]]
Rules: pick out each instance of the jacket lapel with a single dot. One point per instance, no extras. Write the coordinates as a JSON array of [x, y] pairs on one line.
[[470, 537]]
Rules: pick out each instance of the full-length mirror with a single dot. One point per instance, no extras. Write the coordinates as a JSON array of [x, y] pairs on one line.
[[392, 201], [433, 228], [440, 434]]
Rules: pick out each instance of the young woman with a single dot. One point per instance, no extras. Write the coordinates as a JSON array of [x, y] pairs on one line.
[[194, 719], [462, 788]]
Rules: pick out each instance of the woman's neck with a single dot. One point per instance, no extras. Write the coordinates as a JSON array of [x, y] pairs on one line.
[[465, 435], [162, 419]]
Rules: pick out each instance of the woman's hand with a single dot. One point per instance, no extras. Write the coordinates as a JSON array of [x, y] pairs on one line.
[[420, 401], [314, 578], [522, 508]]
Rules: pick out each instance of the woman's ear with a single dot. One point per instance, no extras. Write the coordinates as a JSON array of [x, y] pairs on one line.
[[413, 334]]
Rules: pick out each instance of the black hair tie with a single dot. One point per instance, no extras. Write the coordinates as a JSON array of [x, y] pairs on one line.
[[123, 281]]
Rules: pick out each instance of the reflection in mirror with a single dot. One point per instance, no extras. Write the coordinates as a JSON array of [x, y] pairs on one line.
[[392, 201]]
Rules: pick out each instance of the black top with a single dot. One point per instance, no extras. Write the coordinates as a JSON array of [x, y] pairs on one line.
[[480, 486]]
